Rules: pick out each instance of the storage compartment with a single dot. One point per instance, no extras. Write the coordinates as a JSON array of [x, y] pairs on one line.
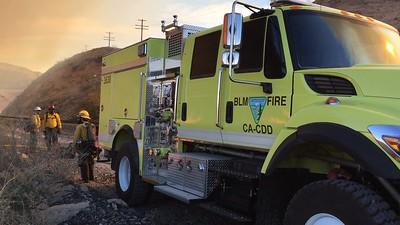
[[196, 173]]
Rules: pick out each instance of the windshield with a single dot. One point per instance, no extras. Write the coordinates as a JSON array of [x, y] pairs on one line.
[[322, 40]]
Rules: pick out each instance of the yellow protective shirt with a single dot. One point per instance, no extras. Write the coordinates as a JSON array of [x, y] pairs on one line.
[[36, 121], [81, 132], [52, 120]]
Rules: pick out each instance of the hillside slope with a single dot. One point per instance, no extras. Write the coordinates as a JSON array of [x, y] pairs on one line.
[[387, 11], [13, 80], [70, 85], [15, 77]]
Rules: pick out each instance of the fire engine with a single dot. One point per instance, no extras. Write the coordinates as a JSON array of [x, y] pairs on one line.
[[287, 116]]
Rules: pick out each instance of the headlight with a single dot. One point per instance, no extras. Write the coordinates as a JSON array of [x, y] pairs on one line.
[[388, 137]]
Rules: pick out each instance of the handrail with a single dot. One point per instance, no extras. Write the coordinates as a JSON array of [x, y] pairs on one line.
[[218, 113], [177, 79], [142, 75]]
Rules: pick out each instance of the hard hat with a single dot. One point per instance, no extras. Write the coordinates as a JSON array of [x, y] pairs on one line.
[[84, 114], [37, 108], [52, 107]]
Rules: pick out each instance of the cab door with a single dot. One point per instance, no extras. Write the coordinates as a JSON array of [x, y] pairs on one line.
[[198, 88], [253, 115]]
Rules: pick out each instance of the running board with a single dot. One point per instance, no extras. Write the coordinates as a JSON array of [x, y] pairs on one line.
[[227, 213], [177, 194]]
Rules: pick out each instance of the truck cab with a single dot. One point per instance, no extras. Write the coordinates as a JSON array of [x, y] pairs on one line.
[[288, 116]]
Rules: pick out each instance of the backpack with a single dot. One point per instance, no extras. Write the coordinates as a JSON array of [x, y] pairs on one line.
[[88, 148]]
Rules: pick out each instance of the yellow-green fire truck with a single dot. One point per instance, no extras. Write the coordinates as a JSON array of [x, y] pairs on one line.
[[288, 116]]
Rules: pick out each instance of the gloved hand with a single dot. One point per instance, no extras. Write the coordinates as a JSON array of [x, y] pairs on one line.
[[58, 130]]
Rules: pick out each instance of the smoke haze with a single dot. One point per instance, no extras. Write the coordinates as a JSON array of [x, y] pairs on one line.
[[38, 33], [33, 30]]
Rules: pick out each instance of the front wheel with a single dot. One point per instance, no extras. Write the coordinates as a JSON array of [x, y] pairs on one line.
[[338, 202], [129, 185]]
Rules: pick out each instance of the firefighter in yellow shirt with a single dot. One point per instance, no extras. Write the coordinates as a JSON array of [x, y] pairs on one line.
[[86, 145], [34, 128], [52, 127]]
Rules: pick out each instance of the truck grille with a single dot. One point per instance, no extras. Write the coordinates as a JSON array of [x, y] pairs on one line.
[[324, 84]]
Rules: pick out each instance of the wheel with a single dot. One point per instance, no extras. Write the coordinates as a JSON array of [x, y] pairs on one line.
[[130, 186], [338, 202]]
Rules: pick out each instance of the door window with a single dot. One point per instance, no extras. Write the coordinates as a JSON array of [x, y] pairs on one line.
[[252, 48], [274, 67], [205, 55]]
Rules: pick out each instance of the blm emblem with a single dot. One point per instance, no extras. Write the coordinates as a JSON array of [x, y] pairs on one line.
[[257, 105]]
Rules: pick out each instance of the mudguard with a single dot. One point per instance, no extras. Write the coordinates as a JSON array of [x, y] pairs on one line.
[[360, 148], [125, 134]]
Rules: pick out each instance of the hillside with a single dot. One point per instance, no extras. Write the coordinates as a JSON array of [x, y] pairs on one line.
[[387, 11], [14, 79], [71, 85]]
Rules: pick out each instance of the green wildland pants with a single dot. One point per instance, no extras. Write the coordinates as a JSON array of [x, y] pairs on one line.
[[51, 137]]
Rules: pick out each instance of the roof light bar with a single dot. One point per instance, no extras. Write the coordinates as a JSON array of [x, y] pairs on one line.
[[277, 3]]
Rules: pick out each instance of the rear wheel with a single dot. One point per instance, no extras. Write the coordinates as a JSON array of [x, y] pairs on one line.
[[338, 202], [130, 186]]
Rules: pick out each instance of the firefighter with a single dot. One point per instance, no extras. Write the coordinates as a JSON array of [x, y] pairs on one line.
[[52, 127], [86, 145], [34, 128]]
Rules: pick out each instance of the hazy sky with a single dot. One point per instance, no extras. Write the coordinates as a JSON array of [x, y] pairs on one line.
[[38, 33]]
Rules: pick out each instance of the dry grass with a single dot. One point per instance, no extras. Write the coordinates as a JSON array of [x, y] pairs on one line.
[[27, 178]]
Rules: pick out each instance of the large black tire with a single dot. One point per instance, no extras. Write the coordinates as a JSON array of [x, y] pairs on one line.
[[345, 202], [132, 189]]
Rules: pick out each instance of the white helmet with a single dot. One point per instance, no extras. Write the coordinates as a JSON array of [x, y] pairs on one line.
[[37, 108]]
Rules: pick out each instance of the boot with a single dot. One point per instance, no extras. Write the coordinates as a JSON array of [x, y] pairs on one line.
[[84, 173], [91, 170]]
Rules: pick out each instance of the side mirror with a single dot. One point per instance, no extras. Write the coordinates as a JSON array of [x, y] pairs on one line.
[[233, 23], [226, 56]]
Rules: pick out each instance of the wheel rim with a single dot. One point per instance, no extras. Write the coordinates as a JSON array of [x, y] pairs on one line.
[[124, 173], [324, 219]]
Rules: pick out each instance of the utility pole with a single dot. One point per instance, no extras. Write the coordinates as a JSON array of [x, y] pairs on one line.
[[109, 38], [141, 27]]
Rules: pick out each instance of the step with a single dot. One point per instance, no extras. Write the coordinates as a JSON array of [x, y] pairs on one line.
[[227, 213], [177, 194]]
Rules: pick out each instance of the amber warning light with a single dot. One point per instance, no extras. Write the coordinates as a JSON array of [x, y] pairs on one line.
[[332, 101]]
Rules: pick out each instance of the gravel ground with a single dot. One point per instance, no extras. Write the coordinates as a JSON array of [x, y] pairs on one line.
[[105, 207]]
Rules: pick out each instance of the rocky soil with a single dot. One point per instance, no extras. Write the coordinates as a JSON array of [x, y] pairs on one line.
[[96, 203]]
